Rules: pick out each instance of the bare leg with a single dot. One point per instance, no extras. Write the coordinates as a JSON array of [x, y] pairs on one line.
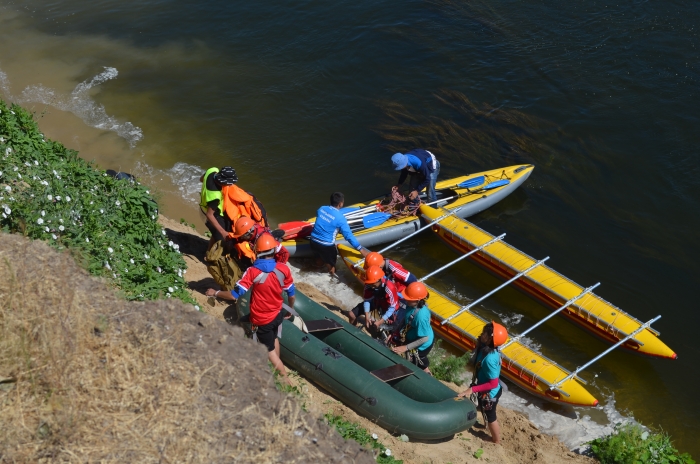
[[495, 429], [427, 370], [274, 357]]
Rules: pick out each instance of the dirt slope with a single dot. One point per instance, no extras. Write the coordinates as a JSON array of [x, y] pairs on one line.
[[88, 377], [522, 441]]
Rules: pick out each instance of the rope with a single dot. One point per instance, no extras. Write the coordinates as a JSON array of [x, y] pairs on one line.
[[399, 206]]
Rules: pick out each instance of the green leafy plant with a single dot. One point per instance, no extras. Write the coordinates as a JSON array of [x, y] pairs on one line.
[[632, 444], [353, 431], [110, 226], [447, 367]]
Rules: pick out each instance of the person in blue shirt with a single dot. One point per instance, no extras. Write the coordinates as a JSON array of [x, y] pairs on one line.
[[486, 361], [329, 220], [417, 333], [423, 168]]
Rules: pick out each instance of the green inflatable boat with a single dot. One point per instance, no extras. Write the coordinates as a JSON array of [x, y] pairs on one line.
[[368, 377]]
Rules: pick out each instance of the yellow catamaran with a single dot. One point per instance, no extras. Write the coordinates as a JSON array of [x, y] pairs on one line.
[[530, 370]]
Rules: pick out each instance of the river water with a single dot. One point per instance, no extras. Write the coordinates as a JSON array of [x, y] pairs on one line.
[[304, 98]]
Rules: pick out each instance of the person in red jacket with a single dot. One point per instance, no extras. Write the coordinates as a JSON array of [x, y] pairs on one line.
[[392, 270], [381, 295], [245, 234], [266, 279]]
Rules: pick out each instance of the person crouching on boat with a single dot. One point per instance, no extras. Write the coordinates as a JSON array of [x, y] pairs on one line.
[[416, 335], [329, 220], [486, 361], [423, 168], [266, 279], [380, 295], [392, 270], [245, 234]]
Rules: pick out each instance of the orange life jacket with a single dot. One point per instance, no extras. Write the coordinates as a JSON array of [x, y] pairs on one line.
[[238, 202]]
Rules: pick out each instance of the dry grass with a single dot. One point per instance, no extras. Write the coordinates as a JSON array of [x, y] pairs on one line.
[[87, 377]]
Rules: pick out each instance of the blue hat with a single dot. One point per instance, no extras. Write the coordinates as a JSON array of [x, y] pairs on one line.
[[400, 161]]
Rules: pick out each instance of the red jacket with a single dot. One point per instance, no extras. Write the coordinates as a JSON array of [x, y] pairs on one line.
[[266, 297], [397, 274], [385, 298]]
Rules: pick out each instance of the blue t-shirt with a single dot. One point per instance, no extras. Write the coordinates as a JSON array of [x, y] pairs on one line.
[[490, 369], [328, 221], [420, 326]]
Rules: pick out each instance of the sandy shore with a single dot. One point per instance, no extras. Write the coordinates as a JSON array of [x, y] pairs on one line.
[[522, 441]]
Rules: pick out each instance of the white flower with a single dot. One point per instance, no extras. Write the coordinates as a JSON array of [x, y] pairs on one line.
[[170, 243], [126, 270], [152, 217], [87, 240], [53, 236], [9, 189], [43, 213], [117, 203], [26, 163], [148, 191], [67, 198], [176, 287], [131, 260], [196, 307], [12, 112], [102, 211], [46, 228], [167, 295], [91, 202], [49, 197], [58, 198], [170, 289], [36, 163], [8, 150], [0, 173], [61, 228], [19, 176], [163, 230], [109, 268], [8, 210], [110, 249], [145, 256], [374, 436], [387, 452], [15, 168], [4, 215], [158, 269], [184, 271], [55, 173], [61, 221], [115, 275], [39, 221]]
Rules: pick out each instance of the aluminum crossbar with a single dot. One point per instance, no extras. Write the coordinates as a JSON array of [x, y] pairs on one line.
[[508, 282], [361, 262], [579, 369], [481, 247], [562, 308]]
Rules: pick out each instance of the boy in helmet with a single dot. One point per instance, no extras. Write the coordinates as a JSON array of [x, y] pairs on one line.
[[486, 361], [423, 168], [380, 294], [211, 201], [417, 334], [245, 233], [267, 280], [392, 270]]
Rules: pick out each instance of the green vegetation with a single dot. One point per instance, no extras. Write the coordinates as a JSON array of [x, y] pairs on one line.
[[631, 444], [446, 367], [352, 431], [110, 226]]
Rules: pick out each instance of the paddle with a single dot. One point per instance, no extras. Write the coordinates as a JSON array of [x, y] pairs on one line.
[[348, 210], [372, 220]]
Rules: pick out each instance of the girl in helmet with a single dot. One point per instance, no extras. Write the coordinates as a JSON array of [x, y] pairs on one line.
[[417, 334], [486, 361], [380, 295], [392, 270]]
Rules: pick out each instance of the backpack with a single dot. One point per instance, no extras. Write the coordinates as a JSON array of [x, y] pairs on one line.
[[222, 267]]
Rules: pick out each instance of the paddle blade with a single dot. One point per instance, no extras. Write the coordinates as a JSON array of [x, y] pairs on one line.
[[296, 229], [496, 184], [374, 219], [471, 183]]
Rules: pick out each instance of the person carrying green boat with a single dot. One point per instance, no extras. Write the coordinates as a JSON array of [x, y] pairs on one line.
[[486, 361], [416, 337]]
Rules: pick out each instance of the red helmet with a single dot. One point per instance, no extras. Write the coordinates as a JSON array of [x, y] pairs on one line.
[[500, 334], [415, 291], [265, 242], [374, 259], [243, 226], [373, 274]]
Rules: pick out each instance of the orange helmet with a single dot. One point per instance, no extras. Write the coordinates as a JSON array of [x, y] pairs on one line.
[[374, 259], [265, 242], [243, 226], [373, 274], [415, 291], [500, 334]]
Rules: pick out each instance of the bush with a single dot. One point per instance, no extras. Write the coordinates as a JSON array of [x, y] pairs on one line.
[[111, 226], [632, 444], [352, 431], [446, 367]]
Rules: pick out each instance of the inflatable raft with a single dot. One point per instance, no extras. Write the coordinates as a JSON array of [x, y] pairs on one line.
[[526, 368], [368, 377], [546, 285], [490, 187]]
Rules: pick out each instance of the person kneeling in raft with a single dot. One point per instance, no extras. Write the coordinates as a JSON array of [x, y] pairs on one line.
[[416, 335], [329, 220], [380, 295], [486, 361], [245, 234], [267, 279]]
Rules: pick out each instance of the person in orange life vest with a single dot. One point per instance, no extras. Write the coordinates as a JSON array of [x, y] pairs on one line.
[[380, 294], [392, 270], [266, 279], [212, 203], [487, 365], [246, 233]]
